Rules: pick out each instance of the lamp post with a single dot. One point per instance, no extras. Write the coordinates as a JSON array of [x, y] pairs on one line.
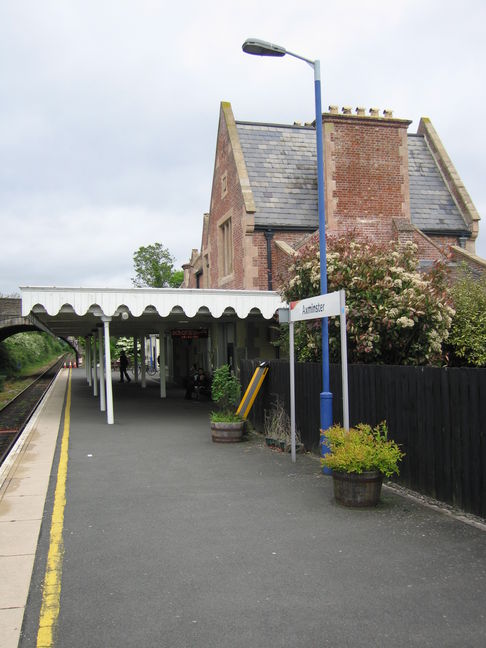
[[263, 48]]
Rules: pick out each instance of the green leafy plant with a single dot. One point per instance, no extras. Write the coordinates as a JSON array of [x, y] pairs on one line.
[[225, 417], [23, 352], [361, 449], [466, 345], [225, 392]]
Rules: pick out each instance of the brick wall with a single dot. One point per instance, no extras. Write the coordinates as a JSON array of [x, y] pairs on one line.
[[280, 260], [429, 249], [10, 307], [366, 174], [366, 192], [476, 264], [228, 201]]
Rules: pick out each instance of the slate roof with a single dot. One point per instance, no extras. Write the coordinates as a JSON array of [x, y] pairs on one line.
[[431, 204], [281, 165]]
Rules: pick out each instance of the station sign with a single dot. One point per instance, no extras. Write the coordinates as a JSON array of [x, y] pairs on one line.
[[328, 305], [189, 334]]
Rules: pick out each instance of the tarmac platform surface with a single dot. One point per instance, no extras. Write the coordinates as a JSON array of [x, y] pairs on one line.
[[173, 541]]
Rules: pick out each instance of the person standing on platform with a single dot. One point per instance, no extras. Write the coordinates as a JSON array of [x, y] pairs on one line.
[[123, 367]]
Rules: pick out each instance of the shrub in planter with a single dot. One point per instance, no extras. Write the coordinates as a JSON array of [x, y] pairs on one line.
[[359, 459], [226, 425]]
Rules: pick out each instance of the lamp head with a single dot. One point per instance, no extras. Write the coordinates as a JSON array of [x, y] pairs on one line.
[[262, 48]]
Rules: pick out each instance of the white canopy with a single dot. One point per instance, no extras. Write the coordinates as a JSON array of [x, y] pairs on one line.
[[77, 311], [134, 312]]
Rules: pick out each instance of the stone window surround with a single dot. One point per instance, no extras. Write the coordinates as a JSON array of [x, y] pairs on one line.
[[225, 248]]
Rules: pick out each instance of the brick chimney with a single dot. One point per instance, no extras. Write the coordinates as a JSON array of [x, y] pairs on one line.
[[366, 171]]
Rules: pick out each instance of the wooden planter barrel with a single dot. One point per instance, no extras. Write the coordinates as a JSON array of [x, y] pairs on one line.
[[353, 489], [227, 432]]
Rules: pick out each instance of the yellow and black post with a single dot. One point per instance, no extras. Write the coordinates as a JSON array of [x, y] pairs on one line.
[[252, 390]]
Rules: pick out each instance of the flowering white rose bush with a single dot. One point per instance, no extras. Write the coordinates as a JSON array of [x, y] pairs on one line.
[[395, 314]]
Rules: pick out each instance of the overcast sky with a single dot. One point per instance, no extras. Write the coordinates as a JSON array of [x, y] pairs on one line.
[[109, 111]]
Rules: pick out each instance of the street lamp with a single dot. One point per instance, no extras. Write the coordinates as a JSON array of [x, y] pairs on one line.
[[263, 48]]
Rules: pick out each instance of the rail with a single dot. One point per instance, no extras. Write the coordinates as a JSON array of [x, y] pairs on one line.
[[16, 413]]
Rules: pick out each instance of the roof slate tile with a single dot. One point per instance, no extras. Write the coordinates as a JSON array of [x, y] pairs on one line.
[[281, 165], [431, 204]]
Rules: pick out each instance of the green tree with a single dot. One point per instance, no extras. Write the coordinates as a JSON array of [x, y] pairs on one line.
[[154, 268], [176, 278], [395, 314], [466, 345]]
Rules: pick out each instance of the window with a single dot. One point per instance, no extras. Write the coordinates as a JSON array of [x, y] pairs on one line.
[[224, 184], [227, 247]]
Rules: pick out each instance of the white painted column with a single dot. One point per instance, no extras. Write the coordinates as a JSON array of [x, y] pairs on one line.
[[143, 362], [109, 387], [153, 350], [209, 368], [88, 359], [163, 391], [102, 371], [92, 361], [344, 358], [135, 358], [95, 367], [170, 358]]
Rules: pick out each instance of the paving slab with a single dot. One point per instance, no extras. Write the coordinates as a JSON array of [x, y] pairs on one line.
[[172, 540], [10, 624]]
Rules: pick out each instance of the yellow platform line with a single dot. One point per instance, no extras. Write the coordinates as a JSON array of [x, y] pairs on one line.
[[51, 591]]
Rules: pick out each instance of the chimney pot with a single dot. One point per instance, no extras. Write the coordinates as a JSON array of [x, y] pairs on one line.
[[360, 111], [347, 110], [374, 112], [388, 113], [334, 110]]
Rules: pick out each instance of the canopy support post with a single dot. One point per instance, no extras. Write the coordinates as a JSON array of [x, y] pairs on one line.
[[109, 386], [135, 358], [88, 359], [102, 370], [163, 390], [95, 366], [143, 362]]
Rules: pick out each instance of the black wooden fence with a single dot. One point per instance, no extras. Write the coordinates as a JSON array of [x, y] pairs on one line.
[[437, 415]]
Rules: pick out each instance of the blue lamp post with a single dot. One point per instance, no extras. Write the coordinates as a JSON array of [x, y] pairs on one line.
[[263, 48]]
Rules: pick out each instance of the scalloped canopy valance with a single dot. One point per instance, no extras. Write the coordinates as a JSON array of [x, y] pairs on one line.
[[76, 311]]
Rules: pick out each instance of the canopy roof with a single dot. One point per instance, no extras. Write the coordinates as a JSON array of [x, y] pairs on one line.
[[77, 311]]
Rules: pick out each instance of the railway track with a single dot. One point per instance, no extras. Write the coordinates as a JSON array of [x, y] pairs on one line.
[[16, 414]]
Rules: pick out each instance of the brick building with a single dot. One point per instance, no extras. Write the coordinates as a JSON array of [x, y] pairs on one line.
[[380, 182]]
